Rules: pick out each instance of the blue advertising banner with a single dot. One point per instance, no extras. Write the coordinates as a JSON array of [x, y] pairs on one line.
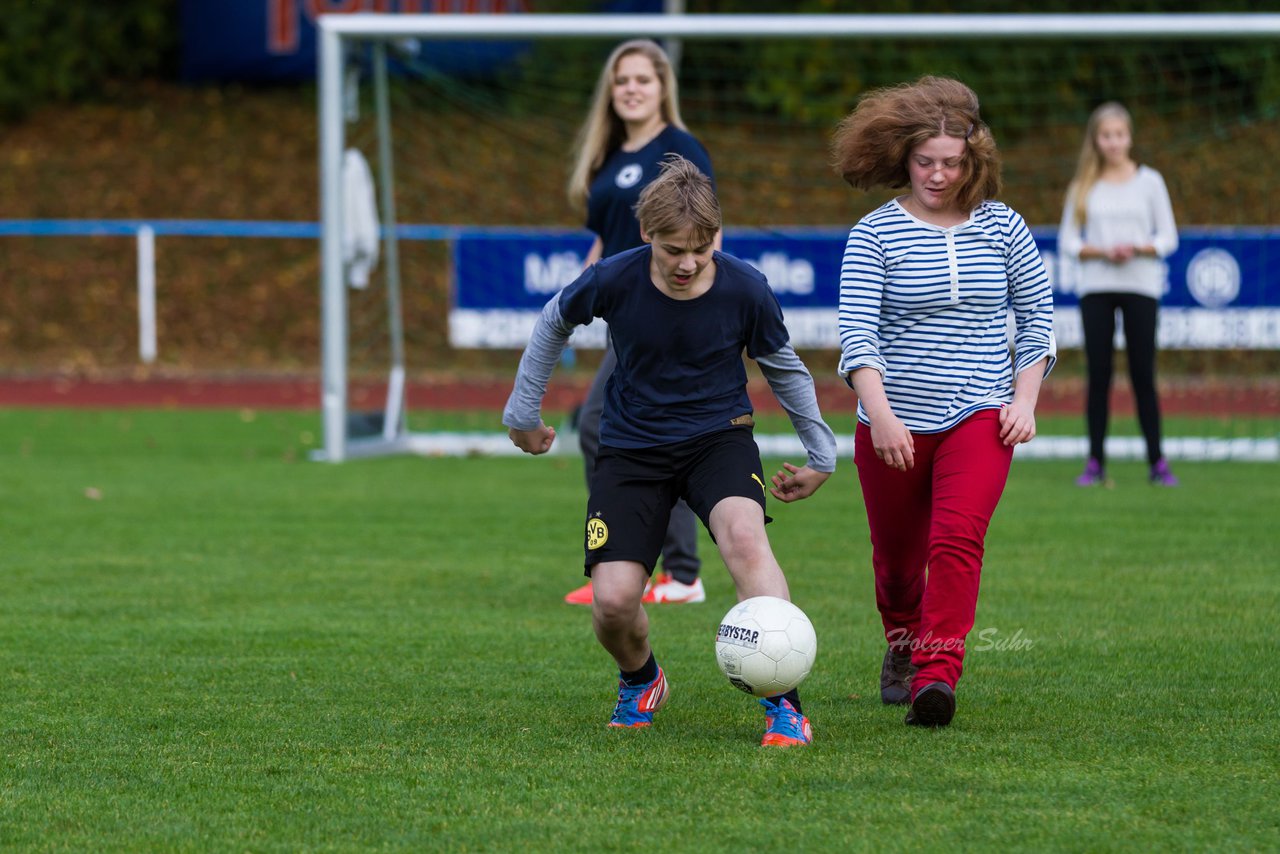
[[275, 40], [1223, 290]]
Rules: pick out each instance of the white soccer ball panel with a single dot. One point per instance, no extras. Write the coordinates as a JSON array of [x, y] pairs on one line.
[[776, 644], [730, 659], [758, 671], [793, 668], [803, 637]]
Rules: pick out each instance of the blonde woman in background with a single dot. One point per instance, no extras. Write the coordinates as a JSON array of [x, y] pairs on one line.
[[634, 123], [1118, 222]]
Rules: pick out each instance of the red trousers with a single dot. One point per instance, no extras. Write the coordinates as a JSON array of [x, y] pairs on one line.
[[928, 526]]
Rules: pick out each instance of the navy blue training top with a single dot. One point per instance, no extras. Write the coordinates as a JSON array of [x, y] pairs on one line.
[[680, 372], [616, 187]]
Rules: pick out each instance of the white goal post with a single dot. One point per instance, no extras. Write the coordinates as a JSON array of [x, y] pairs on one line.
[[338, 33]]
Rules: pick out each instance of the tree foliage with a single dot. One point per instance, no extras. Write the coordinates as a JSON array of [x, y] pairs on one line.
[[53, 51], [819, 81]]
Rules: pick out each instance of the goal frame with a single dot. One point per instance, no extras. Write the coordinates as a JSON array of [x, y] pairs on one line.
[[337, 31]]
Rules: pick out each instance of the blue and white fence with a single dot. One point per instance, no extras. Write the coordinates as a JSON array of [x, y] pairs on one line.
[[145, 233], [1224, 283]]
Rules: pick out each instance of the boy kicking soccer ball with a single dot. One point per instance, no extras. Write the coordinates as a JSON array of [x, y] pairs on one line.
[[677, 423]]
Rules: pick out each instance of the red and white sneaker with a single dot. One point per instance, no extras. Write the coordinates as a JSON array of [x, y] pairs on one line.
[[665, 590], [579, 595], [582, 595]]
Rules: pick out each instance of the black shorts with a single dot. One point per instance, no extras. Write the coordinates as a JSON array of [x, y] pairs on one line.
[[634, 489]]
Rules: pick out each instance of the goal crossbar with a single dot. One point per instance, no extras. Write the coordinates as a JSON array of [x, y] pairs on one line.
[[1093, 26]]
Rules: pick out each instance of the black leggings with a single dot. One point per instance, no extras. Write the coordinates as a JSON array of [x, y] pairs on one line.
[[1098, 314]]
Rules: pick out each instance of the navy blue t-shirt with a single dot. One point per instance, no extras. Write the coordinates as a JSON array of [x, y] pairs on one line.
[[680, 371], [616, 187]]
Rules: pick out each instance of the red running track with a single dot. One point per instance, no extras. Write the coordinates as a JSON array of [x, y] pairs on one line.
[[1223, 396]]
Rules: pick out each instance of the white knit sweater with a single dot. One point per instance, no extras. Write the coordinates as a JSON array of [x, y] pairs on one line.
[[1136, 212]]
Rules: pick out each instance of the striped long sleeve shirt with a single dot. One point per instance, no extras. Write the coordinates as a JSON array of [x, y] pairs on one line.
[[928, 307]]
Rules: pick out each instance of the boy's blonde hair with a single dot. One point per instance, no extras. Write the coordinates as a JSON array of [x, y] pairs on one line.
[[680, 197]]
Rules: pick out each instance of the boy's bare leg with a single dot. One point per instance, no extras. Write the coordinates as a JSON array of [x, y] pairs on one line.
[[738, 526], [619, 620]]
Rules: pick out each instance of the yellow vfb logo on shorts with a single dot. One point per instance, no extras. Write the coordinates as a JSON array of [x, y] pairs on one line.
[[597, 533]]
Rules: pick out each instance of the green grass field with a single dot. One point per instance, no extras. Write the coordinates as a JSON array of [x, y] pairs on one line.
[[209, 643]]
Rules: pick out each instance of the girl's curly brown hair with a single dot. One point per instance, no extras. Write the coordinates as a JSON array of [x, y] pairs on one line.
[[871, 145]]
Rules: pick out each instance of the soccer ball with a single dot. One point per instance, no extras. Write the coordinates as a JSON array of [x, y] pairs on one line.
[[766, 646]]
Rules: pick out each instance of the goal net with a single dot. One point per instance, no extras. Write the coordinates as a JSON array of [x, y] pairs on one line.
[[467, 123]]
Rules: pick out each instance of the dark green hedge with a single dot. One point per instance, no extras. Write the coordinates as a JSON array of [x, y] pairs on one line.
[[52, 50]]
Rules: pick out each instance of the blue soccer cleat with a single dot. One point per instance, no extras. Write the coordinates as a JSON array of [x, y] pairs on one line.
[[784, 726], [637, 703]]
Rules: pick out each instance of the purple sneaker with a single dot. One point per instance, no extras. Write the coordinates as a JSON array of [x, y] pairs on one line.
[[1093, 475], [1160, 474]]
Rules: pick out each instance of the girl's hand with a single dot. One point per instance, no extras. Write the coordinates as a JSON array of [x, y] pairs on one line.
[[1017, 423], [1120, 254], [893, 442]]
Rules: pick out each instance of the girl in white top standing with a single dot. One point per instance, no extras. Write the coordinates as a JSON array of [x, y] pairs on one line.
[[1119, 223], [928, 283]]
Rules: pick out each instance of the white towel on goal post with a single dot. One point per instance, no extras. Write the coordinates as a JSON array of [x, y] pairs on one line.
[[360, 224]]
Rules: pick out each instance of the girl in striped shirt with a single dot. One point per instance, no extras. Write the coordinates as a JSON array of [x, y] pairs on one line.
[[927, 287]]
